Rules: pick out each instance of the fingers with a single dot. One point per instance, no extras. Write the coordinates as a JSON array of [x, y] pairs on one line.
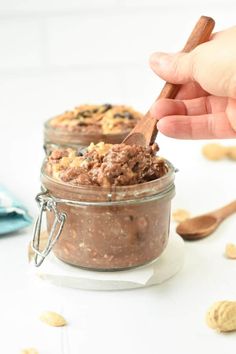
[[211, 64], [175, 68], [190, 90], [200, 118], [196, 106], [167, 107], [207, 126], [231, 112]]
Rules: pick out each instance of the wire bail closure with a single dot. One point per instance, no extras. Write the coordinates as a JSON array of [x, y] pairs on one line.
[[46, 203]]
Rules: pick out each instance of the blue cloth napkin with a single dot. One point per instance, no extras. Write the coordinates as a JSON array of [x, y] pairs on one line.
[[13, 215]]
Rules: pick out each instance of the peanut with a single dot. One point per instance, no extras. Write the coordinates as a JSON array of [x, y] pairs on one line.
[[53, 319], [231, 152], [217, 152], [76, 162], [214, 151], [230, 251], [29, 351], [180, 215], [222, 316], [65, 161]]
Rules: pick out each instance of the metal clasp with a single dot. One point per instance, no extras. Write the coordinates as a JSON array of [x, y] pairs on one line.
[[46, 203]]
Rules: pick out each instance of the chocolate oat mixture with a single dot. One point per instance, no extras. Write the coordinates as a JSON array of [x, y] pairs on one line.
[[107, 165], [105, 119]]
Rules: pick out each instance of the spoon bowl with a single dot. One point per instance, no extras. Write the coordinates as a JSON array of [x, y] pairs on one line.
[[204, 225], [197, 228]]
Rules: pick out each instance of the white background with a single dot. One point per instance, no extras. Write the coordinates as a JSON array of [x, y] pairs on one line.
[[57, 54]]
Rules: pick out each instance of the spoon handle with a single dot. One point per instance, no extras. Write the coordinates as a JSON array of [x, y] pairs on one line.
[[200, 34], [227, 210]]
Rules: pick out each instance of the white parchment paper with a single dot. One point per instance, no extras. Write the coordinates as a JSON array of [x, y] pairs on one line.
[[168, 264]]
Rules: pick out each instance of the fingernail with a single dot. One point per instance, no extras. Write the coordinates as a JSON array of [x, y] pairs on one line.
[[159, 59], [153, 109], [158, 124]]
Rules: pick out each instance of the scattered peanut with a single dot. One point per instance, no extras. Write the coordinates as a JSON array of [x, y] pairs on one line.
[[29, 351], [53, 319], [231, 152], [180, 215], [218, 152], [214, 151], [230, 251], [222, 316]]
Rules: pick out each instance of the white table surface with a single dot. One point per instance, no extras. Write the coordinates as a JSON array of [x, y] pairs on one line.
[[168, 318], [56, 54]]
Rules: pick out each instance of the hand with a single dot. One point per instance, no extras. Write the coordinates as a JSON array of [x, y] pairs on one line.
[[205, 106]]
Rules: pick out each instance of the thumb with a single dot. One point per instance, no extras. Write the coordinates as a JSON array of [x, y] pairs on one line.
[[175, 68]]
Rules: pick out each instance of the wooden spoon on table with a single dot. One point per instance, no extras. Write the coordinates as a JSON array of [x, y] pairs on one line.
[[145, 132], [204, 225]]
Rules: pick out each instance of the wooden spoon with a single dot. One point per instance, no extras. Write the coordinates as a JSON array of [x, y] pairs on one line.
[[203, 225], [145, 132]]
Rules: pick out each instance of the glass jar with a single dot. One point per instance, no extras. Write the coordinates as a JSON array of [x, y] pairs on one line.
[[54, 138], [105, 228]]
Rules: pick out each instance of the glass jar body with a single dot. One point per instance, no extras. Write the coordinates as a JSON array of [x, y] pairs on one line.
[[55, 137], [112, 229]]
